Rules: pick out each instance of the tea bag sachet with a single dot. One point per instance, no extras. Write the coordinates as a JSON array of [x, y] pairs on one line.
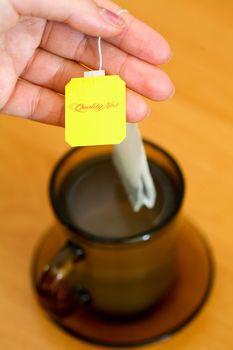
[[130, 160], [95, 112]]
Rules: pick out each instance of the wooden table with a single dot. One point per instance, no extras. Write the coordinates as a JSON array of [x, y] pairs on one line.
[[196, 126]]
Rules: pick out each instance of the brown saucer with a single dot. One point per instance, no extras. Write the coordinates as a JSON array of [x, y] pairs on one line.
[[190, 291]]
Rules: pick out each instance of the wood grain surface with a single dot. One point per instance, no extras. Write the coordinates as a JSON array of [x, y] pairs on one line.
[[196, 126]]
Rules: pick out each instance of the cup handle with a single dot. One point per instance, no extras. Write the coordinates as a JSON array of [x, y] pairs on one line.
[[55, 293]]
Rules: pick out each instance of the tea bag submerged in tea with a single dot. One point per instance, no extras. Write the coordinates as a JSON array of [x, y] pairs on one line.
[[130, 160]]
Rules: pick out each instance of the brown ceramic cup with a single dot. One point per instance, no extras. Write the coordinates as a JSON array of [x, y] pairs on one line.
[[112, 275]]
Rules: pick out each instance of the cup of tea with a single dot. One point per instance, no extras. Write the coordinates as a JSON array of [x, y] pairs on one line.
[[113, 261]]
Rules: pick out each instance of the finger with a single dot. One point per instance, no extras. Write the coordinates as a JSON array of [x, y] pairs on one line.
[[137, 38], [46, 106], [37, 103], [51, 71], [136, 108], [55, 72], [84, 15], [8, 16], [139, 75], [8, 78]]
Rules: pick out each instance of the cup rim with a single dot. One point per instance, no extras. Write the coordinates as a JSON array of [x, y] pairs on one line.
[[139, 237]]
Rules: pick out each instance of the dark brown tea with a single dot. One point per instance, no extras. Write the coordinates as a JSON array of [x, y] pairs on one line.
[[93, 199]]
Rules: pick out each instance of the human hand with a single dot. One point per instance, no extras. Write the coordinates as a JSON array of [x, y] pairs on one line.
[[43, 44]]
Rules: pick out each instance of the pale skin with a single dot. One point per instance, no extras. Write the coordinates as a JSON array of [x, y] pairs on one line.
[[45, 43]]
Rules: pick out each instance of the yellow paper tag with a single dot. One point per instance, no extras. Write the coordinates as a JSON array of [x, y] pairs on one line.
[[95, 111]]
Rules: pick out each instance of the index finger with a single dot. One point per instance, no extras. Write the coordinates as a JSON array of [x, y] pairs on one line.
[[83, 15]]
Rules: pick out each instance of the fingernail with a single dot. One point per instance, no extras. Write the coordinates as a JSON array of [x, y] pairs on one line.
[[173, 91], [148, 112], [168, 57], [112, 18]]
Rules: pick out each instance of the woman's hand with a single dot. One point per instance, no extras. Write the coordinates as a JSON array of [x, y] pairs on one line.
[[44, 43]]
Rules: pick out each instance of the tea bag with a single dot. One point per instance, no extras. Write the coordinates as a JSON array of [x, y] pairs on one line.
[[130, 160], [128, 156], [95, 111]]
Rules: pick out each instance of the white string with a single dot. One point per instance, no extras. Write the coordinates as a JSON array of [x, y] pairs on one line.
[[100, 53], [99, 44]]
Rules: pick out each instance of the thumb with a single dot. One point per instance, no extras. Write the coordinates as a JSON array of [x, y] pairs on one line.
[[83, 15]]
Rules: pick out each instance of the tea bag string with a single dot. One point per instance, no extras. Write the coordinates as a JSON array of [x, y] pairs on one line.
[[99, 44]]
